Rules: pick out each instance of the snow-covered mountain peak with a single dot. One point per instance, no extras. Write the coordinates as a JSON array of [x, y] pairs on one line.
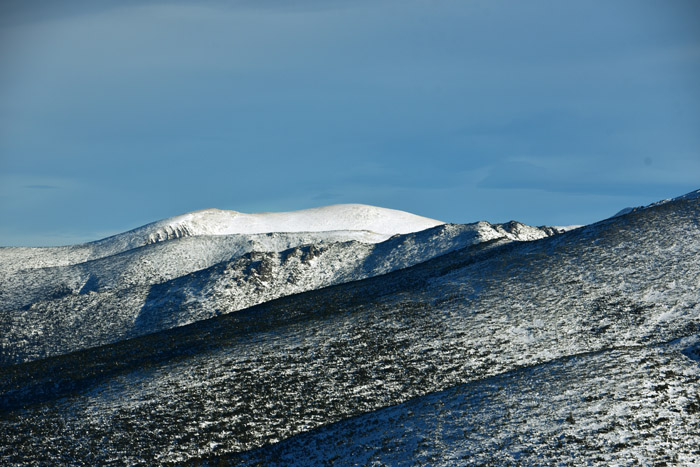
[[340, 222], [345, 217]]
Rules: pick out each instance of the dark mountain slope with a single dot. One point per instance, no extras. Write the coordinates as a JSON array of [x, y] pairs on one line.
[[587, 408]]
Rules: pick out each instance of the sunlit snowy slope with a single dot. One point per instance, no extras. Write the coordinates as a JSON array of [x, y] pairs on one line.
[[578, 348], [378, 224]]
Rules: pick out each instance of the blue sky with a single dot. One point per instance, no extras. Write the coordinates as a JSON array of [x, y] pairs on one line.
[[115, 114]]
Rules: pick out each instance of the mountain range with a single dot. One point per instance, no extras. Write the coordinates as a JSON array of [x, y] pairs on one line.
[[356, 335]]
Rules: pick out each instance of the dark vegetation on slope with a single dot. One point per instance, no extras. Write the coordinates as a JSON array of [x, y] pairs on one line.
[[53, 377], [571, 410]]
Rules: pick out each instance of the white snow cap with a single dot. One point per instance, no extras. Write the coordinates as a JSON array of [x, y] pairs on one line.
[[328, 218]]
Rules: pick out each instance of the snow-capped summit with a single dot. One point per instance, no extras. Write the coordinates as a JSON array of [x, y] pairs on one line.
[[328, 218], [340, 222]]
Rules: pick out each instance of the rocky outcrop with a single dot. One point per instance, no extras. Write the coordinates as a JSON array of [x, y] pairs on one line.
[[169, 232]]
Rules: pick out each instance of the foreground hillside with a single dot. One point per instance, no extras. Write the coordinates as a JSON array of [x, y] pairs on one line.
[[583, 409], [576, 348]]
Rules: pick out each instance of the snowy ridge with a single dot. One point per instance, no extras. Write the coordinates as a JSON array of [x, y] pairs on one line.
[[692, 195], [377, 223], [324, 219]]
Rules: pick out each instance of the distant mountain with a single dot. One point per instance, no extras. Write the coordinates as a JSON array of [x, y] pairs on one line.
[[377, 223], [576, 348], [192, 267]]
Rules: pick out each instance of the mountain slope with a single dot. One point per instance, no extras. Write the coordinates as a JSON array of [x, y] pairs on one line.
[[692, 195], [58, 310], [588, 408], [154, 264], [253, 378]]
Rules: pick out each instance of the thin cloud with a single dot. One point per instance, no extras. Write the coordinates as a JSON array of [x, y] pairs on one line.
[[42, 187], [17, 12]]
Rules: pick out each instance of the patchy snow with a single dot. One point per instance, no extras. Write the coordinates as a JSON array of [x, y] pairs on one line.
[[589, 409], [566, 228]]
